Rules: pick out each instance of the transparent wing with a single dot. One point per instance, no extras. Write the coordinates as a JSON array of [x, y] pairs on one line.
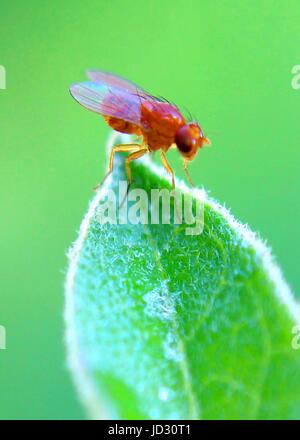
[[112, 80], [115, 81], [108, 100]]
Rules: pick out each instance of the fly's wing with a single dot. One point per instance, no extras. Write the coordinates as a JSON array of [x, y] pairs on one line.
[[160, 104], [107, 100], [115, 81]]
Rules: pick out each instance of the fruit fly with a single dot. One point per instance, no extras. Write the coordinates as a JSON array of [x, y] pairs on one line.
[[127, 108]]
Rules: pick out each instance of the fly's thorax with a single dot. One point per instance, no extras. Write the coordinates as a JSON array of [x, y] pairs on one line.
[[160, 121]]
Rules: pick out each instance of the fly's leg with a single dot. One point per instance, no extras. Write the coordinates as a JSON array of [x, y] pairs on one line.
[[133, 156], [125, 148], [167, 166], [185, 162]]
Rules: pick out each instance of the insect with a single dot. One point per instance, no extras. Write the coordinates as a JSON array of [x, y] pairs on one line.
[[127, 108]]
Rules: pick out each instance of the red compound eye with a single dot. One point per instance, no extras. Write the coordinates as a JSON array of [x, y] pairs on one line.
[[185, 139]]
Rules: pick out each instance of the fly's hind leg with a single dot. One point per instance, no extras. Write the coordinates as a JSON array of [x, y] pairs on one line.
[[125, 148], [167, 166]]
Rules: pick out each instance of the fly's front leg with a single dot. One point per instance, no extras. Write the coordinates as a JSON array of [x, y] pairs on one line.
[[185, 164], [125, 148], [167, 166]]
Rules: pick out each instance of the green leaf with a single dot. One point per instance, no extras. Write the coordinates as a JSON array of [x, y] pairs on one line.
[[164, 325]]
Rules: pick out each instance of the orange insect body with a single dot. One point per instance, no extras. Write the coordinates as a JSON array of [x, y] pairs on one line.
[[129, 109], [160, 124], [123, 126]]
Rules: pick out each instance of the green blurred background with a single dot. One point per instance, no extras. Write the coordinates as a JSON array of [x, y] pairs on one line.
[[229, 62]]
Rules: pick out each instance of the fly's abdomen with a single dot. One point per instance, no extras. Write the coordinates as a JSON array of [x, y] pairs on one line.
[[123, 126]]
